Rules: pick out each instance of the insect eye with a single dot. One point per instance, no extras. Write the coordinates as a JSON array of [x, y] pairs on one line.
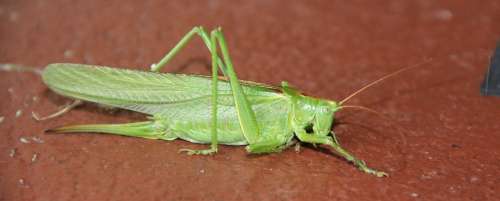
[[309, 128]]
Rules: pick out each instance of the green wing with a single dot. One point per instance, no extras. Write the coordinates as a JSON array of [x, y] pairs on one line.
[[146, 92]]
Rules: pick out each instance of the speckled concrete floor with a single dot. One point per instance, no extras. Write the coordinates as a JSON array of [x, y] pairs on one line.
[[326, 48]]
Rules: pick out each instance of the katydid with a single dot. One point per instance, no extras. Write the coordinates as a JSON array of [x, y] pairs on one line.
[[200, 109]]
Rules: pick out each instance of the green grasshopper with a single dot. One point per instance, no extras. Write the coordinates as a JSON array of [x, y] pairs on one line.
[[201, 109]]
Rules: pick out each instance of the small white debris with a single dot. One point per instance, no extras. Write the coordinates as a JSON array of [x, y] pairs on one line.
[[10, 90], [474, 179], [202, 171], [443, 14], [24, 140], [68, 54], [35, 98], [414, 194], [34, 157], [22, 182], [13, 16], [19, 113], [5, 67], [1, 119], [152, 66], [12, 153], [37, 139], [452, 189], [429, 175]]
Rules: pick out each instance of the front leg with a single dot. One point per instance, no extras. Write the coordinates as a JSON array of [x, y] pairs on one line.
[[315, 139]]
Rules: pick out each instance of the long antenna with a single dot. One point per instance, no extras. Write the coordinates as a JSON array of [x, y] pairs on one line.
[[364, 108], [382, 79]]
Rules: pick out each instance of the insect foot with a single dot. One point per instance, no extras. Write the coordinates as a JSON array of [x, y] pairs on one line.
[[198, 152], [362, 166], [357, 162]]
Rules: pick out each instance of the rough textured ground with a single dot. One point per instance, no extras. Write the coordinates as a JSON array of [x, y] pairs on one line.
[[328, 49]]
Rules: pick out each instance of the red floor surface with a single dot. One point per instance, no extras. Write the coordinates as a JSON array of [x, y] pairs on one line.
[[448, 148]]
